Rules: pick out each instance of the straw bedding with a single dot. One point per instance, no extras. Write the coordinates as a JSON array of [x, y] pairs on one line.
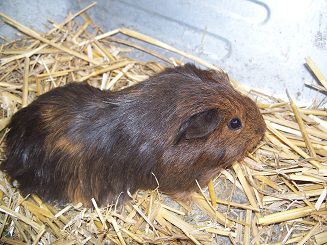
[[276, 195]]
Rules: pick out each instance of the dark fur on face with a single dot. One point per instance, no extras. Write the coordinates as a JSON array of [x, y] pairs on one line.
[[77, 142]]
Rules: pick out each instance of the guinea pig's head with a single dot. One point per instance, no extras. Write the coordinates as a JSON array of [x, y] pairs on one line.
[[222, 118], [215, 122]]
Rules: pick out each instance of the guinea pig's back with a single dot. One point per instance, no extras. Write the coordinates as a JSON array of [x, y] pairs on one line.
[[56, 112]]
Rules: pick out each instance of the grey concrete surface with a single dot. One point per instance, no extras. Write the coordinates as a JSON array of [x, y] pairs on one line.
[[260, 43]]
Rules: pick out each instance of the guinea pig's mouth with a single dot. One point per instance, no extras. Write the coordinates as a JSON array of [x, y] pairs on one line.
[[253, 143], [251, 149]]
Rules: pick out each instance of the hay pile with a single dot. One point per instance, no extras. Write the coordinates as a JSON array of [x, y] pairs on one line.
[[276, 195]]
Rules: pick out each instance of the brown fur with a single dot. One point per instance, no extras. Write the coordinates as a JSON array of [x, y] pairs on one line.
[[76, 142], [66, 145]]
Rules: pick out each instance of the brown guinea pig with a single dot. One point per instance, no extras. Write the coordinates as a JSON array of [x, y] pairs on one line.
[[77, 142]]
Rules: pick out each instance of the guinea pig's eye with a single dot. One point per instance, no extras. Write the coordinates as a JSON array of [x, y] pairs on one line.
[[235, 124]]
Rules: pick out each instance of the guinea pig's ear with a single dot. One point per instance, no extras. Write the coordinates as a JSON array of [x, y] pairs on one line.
[[199, 125], [209, 75]]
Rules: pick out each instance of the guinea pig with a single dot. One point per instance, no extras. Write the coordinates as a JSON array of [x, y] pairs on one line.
[[76, 142]]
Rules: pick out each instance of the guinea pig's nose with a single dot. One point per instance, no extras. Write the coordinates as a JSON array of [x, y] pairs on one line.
[[259, 130]]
